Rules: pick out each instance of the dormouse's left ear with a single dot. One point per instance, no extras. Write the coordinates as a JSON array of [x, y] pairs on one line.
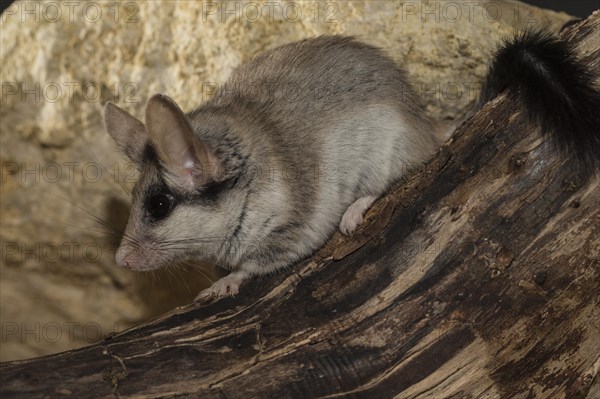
[[189, 162]]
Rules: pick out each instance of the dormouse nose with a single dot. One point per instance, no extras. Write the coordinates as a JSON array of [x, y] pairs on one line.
[[125, 256]]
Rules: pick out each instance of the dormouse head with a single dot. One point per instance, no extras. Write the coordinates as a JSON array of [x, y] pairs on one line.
[[186, 203]]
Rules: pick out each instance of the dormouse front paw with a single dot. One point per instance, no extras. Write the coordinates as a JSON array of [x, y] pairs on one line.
[[226, 286]]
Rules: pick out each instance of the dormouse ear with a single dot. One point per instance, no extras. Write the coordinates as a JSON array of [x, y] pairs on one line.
[[188, 160], [128, 132]]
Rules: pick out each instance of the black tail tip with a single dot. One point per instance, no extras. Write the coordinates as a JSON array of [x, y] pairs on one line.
[[557, 89]]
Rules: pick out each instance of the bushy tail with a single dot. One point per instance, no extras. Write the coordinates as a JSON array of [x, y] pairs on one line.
[[556, 89]]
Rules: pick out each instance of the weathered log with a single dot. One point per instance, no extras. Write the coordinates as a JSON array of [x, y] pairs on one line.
[[478, 277]]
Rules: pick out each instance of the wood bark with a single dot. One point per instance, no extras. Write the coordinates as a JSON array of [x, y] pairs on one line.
[[478, 277]]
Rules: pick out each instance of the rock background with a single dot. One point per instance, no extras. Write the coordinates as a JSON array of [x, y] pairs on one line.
[[61, 175]]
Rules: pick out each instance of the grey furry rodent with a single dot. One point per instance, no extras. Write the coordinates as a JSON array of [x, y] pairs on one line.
[[302, 139]]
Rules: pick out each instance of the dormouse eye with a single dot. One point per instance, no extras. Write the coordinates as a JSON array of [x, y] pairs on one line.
[[159, 205]]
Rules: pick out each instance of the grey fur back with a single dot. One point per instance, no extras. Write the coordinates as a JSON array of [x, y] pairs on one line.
[[318, 124]]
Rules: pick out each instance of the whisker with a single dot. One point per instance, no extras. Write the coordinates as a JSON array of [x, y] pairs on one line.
[[132, 240], [198, 268], [178, 274]]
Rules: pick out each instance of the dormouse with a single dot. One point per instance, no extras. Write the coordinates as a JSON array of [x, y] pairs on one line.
[[301, 141]]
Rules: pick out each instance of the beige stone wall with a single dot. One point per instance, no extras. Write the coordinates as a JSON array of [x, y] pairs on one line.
[[59, 286]]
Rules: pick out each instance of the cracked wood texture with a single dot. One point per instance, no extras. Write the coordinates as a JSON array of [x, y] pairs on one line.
[[477, 277]]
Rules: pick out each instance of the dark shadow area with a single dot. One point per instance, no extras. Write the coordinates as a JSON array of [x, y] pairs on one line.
[[578, 8]]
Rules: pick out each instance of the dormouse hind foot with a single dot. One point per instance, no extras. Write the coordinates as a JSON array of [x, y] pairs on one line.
[[355, 213]]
